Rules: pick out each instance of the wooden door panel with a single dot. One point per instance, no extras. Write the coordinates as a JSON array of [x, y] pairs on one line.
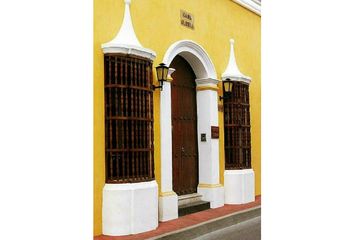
[[184, 128]]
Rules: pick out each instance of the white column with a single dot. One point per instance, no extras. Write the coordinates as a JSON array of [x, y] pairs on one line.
[[239, 184], [132, 207], [168, 201], [207, 109]]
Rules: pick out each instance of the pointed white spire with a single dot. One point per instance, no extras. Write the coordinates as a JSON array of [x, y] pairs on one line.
[[126, 41], [232, 70], [126, 34]]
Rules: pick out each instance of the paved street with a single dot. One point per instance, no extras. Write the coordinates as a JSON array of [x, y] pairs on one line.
[[247, 230]]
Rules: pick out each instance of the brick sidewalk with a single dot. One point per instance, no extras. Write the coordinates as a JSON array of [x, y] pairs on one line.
[[186, 221]]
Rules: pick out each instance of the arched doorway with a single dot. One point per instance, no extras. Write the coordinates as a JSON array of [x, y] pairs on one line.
[[184, 128], [206, 82]]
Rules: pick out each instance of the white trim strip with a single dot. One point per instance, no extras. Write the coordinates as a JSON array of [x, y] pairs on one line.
[[252, 5]]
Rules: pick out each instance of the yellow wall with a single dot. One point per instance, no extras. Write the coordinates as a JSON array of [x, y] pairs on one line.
[[157, 26]]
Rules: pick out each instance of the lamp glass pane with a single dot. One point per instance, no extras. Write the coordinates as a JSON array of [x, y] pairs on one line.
[[159, 73], [165, 72], [231, 85], [228, 86]]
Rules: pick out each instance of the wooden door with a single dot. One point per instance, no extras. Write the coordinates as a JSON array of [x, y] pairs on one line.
[[184, 128]]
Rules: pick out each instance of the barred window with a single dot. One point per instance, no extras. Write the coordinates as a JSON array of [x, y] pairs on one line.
[[129, 149], [237, 128]]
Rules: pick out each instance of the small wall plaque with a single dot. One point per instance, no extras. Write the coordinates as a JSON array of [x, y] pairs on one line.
[[214, 132], [187, 19], [203, 137]]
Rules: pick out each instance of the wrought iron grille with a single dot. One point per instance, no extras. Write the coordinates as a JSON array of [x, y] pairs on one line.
[[129, 149], [237, 128]]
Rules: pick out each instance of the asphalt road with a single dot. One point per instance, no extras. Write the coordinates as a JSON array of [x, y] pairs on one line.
[[247, 230]]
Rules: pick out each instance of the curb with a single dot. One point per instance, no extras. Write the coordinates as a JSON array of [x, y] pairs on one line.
[[211, 225]]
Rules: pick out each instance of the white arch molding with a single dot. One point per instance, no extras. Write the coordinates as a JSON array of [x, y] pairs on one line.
[[207, 111], [196, 56]]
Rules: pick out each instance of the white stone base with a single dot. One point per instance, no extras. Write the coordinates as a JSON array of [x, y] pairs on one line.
[[239, 186], [213, 194], [129, 208], [168, 207]]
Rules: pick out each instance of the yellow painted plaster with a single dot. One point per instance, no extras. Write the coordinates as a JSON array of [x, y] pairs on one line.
[[157, 26]]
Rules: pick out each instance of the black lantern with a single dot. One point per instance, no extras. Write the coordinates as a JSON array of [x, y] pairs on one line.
[[161, 72], [227, 85]]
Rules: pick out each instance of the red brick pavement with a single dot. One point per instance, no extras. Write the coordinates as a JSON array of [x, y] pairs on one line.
[[186, 221]]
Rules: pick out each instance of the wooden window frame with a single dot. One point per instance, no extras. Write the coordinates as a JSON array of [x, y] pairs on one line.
[[237, 128], [129, 139]]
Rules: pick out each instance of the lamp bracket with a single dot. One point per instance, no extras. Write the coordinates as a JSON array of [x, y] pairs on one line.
[[155, 87], [226, 96]]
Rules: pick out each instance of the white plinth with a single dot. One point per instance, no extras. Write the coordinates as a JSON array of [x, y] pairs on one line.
[[168, 207], [239, 186], [213, 194], [129, 208]]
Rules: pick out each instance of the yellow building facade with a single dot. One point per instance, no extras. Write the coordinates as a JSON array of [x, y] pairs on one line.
[[157, 25]]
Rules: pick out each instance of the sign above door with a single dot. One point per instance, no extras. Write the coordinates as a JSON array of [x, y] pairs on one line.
[[187, 19]]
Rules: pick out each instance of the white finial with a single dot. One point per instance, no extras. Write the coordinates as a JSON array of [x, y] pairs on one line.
[[126, 41], [232, 70]]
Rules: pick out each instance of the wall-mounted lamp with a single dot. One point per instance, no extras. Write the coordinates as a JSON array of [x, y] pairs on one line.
[[161, 72], [227, 85]]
